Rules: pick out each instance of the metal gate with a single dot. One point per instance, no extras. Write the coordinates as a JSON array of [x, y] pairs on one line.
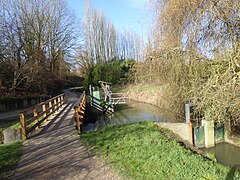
[[198, 136], [218, 133]]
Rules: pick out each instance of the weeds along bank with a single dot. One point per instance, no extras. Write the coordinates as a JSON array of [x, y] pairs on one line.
[[144, 93], [212, 85], [196, 62]]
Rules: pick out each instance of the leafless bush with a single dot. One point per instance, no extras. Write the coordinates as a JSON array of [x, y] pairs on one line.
[[194, 51]]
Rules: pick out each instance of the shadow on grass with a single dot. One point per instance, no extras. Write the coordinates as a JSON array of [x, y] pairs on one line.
[[231, 173]]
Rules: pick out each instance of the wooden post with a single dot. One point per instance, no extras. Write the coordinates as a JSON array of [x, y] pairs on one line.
[[50, 106], [64, 98], [54, 103], [23, 127], [35, 113], [77, 120], [44, 109], [190, 133], [59, 103], [61, 99]]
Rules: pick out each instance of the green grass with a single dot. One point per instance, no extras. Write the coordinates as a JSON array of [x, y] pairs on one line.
[[140, 151], [9, 157]]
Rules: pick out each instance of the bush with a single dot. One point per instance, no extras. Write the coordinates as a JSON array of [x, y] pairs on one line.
[[114, 72]]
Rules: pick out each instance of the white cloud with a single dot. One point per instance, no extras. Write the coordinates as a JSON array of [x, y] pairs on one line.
[[137, 4]]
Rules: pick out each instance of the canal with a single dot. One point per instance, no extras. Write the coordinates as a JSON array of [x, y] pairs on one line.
[[226, 154], [135, 111]]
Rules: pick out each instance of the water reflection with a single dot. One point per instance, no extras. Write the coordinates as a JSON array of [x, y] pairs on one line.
[[227, 154], [135, 112]]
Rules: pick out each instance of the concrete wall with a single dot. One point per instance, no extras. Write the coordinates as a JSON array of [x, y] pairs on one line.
[[182, 129], [209, 133]]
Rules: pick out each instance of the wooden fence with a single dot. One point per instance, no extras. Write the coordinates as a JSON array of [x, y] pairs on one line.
[[33, 117], [80, 108]]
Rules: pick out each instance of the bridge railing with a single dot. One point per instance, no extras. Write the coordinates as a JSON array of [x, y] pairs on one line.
[[118, 98], [80, 109], [33, 117]]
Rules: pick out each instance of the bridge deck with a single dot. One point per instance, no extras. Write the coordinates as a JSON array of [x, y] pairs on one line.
[[55, 151]]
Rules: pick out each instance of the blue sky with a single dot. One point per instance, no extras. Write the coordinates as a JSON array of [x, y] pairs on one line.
[[122, 13]]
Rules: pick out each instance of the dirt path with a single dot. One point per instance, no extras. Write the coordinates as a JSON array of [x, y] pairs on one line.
[[55, 152], [10, 115]]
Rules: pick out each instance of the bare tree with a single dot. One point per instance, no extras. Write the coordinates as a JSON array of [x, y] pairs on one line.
[[37, 35], [194, 51], [103, 43]]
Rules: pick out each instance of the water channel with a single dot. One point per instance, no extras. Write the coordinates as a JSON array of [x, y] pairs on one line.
[[226, 154], [134, 111]]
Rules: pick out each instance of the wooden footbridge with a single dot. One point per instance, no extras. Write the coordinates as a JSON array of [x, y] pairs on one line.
[[51, 148], [33, 117]]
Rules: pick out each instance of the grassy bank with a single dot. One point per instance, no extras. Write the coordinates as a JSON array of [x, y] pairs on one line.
[[9, 157], [140, 151]]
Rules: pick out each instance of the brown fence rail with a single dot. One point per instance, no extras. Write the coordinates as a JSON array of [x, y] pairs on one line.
[[80, 108], [32, 117]]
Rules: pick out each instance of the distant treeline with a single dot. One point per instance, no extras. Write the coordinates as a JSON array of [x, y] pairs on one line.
[[42, 43]]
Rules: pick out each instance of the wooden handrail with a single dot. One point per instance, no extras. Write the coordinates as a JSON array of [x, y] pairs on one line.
[[47, 101], [40, 113], [80, 109]]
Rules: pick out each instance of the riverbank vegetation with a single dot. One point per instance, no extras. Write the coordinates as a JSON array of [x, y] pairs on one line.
[[141, 151], [193, 52], [9, 157]]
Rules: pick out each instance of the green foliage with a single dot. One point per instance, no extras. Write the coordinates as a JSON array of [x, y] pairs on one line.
[[139, 151], [115, 72], [88, 79], [108, 72], [9, 157]]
